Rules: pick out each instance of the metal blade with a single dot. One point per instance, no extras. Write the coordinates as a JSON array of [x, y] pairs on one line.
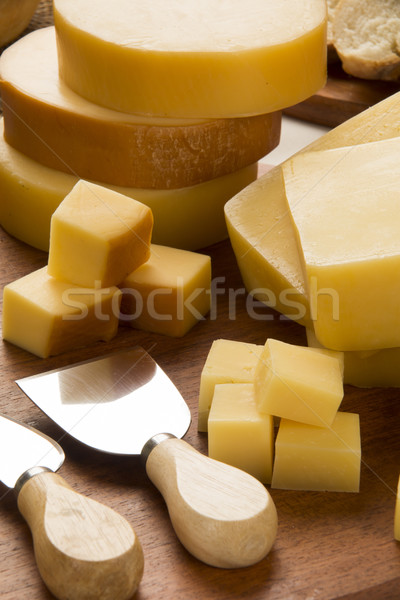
[[114, 404], [23, 447]]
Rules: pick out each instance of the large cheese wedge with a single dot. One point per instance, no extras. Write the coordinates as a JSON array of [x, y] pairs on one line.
[[98, 236], [189, 218], [346, 209], [238, 434], [47, 121], [191, 58], [168, 294], [318, 458], [45, 316], [259, 224], [14, 18]]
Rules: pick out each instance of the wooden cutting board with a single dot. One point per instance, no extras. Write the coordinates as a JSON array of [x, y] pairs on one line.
[[342, 97]]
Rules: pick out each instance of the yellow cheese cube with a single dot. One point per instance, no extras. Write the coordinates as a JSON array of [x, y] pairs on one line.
[[169, 294], [318, 458], [228, 361], [351, 245], [238, 434], [45, 316], [98, 236], [190, 217], [189, 58], [397, 514], [297, 383]]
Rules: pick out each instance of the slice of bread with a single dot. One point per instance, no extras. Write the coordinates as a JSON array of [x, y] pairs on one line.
[[366, 36], [332, 54]]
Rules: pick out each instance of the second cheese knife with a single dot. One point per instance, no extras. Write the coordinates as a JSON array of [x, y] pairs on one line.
[[84, 550]]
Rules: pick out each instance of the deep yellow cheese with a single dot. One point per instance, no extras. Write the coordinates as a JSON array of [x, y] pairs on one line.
[[238, 434], [259, 224], [293, 382], [345, 207], [98, 236], [45, 316], [318, 458], [228, 361], [168, 294], [191, 58], [189, 218], [48, 122], [371, 368], [397, 513]]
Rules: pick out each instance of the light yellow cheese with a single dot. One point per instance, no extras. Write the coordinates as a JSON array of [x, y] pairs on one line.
[[189, 218], [228, 361], [191, 58], [168, 294], [14, 18], [397, 513], [371, 368], [98, 236], [259, 224], [345, 207], [48, 122], [295, 383], [318, 458], [45, 316], [238, 434]]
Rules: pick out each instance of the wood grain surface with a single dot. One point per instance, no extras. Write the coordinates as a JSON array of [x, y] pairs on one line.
[[329, 545]]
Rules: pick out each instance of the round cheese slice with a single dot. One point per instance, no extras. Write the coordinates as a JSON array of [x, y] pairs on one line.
[[192, 58], [45, 120], [188, 218]]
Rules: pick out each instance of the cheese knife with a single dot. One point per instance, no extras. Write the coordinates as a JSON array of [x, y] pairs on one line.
[[84, 550], [125, 404]]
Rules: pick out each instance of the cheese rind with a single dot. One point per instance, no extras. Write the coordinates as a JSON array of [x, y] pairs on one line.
[[397, 514], [98, 236], [228, 361], [193, 59], [344, 204], [238, 434], [47, 317], [51, 124], [168, 294], [318, 458], [295, 383], [189, 218]]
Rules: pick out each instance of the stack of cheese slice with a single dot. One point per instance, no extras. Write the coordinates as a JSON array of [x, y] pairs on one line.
[[244, 387], [172, 105], [306, 276], [101, 254]]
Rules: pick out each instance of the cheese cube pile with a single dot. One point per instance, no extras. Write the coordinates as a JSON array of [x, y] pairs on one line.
[[177, 117], [317, 447], [100, 250]]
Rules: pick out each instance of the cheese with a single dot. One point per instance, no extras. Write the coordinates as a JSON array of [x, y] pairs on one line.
[[260, 227], [238, 434], [46, 317], [295, 383], [318, 458], [189, 218], [345, 206], [367, 369], [168, 294], [191, 58], [397, 513], [14, 18], [228, 361], [98, 236], [48, 122]]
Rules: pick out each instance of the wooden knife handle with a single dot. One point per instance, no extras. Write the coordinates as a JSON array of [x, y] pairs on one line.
[[84, 550], [223, 516]]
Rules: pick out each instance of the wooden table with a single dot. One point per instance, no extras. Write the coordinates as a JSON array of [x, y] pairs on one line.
[[329, 545]]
